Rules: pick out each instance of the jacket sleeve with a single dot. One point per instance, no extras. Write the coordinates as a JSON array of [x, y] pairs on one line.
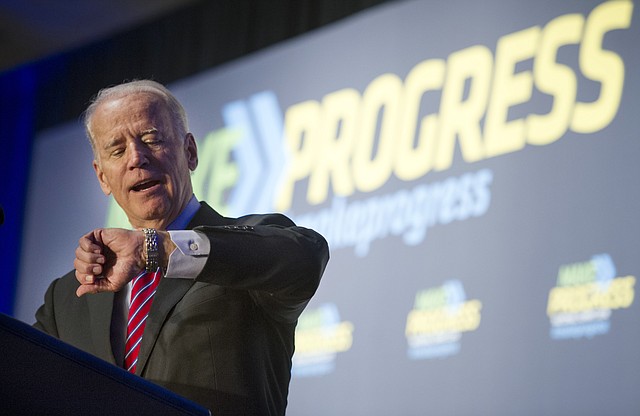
[[45, 318], [279, 263]]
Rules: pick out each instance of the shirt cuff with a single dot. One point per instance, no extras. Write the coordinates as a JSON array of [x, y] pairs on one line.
[[190, 255]]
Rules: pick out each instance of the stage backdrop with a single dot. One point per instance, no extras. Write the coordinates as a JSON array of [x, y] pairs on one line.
[[474, 167]]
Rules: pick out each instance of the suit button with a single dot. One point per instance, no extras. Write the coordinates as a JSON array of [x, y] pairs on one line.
[[193, 246]]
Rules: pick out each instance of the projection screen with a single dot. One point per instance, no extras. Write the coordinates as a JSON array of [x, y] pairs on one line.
[[473, 166]]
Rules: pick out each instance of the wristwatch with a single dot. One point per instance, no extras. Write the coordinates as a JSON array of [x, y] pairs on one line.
[[151, 248]]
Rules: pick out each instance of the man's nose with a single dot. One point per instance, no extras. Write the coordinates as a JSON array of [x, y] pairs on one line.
[[137, 155]]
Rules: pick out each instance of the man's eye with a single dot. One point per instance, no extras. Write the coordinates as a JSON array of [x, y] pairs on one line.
[[152, 142], [117, 152]]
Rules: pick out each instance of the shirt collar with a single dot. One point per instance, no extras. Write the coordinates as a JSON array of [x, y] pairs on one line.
[[186, 215]]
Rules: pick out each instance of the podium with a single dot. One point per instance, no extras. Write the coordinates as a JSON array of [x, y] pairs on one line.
[[41, 375]]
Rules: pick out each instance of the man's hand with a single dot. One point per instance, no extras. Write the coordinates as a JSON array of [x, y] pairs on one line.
[[107, 259]]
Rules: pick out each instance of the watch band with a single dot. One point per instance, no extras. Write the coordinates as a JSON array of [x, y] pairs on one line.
[[151, 248]]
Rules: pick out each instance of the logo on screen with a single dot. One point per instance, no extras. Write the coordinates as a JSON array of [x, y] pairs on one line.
[[320, 336], [256, 163], [439, 317], [586, 293]]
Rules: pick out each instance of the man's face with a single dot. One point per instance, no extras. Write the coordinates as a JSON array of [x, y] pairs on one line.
[[142, 160]]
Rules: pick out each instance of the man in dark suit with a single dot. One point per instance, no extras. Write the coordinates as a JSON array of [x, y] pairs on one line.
[[220, 330]]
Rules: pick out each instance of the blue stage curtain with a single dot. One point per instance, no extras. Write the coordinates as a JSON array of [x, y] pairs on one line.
[[17, 112]]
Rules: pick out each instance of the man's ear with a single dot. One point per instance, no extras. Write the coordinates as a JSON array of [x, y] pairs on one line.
[[106, 189], [191, 152]]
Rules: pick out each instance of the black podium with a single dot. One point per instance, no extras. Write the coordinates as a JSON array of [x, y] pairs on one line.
[[41, 375]]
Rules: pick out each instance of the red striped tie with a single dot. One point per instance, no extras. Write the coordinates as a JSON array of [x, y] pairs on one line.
[[142, 290]]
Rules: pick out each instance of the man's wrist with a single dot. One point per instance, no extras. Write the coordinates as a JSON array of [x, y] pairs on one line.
[[166, 247]]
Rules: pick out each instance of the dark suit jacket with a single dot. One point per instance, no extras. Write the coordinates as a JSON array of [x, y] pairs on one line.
[[226, 339]]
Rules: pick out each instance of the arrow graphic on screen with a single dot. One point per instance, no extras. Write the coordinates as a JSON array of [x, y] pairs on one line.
[[259, 152]]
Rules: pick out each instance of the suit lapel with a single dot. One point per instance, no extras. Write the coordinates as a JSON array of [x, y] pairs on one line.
[[170, 292], [100, 311]]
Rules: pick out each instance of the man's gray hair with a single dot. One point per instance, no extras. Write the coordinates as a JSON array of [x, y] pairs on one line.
[[178, 115]]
